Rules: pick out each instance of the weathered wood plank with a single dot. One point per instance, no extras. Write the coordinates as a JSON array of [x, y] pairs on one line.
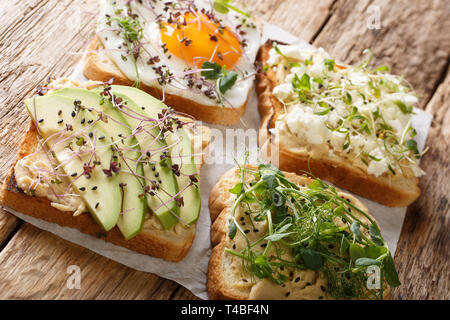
[[411, 39], [8, 224], [423, 255], [302, 18], [34, 265]]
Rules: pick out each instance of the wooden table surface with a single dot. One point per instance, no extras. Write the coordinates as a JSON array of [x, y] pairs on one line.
[[42, 38]]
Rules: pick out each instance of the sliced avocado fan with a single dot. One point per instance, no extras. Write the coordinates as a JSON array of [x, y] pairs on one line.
[[130, 176], [162, 186], [181, 150], [70, 132]]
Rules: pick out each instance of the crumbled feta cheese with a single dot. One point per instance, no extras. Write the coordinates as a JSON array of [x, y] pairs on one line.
[[377, 168], [308, 125], [283, 90], [334, 95]]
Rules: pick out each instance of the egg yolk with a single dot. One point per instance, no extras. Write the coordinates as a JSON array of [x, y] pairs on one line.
[[195, 39]]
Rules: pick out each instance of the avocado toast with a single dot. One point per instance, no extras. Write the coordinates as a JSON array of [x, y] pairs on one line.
[[114, 163]]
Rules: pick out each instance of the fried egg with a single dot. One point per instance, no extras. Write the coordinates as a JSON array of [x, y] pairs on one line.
[[165, 44]]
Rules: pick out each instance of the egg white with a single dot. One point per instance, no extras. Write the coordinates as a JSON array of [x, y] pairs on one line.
[[233, 98]]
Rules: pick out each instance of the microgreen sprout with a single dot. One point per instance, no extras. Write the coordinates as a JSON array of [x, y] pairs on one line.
[[369, 111], [319, 229], [224, 6]]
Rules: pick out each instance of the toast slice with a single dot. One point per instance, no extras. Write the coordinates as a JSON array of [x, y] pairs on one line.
[[171, 245], [98, 66], [394, 190], [228, 277]]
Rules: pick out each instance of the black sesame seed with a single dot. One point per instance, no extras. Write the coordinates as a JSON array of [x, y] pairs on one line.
[[83, 121], [297, 279], [287, 294], [73, 114], [234, 246], [321, 297], [255, 230], [82, 189], [330, 246], [263, 245], [246, 231], [94, 188], [101, 138], [245, 280], [97, 204], [74, 174], [241, 218], [42, 120], [323, 288], [59, 112], [60, 121], [308, 283], [91, 134]]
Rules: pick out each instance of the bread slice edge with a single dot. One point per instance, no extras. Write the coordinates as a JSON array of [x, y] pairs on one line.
[[398, 193]]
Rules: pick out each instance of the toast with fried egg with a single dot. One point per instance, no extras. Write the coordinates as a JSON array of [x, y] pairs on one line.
[[162, 48], [374, 156]]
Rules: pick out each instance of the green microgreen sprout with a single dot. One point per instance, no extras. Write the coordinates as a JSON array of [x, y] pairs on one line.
[[225, 79], [319, 228], [224, 6], [336, 90]]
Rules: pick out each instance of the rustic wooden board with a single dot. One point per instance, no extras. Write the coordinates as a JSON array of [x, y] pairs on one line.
[[33, 263], [423, 255]]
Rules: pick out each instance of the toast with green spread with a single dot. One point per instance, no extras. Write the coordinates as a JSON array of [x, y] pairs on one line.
[[278, 235], [114, 163]]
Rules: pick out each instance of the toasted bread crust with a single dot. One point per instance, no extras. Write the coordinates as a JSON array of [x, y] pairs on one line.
[[218, 197], [155, 244], [380, 189], [220, 201], [93, 70]]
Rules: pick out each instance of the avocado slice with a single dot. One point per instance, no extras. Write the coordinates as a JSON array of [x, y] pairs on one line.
[[190, 212], [157, 171], [59, 122], [134, 205]]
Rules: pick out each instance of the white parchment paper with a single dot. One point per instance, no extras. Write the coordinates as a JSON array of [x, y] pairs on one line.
[[191, 271]]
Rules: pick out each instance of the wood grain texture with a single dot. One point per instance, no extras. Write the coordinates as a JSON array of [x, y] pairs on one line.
[[423, 256], [34, 265], [41, 38], [302, 18], [411, 40]]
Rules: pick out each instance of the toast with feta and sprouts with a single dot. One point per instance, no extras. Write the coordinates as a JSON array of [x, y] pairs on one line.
[[112, 162], [197, 58], [345, 124], [278, 235]]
